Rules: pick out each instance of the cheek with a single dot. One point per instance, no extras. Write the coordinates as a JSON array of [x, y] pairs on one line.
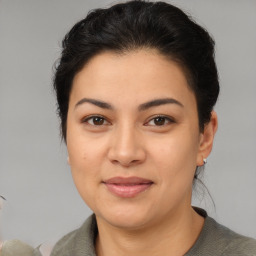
[[176, 150], [82, 149], [83, 158], [84, 172], [175, 157]]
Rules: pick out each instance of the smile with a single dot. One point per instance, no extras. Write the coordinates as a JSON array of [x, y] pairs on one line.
[[127, 187]]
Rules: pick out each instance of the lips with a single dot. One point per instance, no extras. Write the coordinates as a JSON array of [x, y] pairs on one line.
[[127, 187]]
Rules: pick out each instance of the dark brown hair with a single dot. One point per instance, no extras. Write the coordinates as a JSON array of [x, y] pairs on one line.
[[141, 24]]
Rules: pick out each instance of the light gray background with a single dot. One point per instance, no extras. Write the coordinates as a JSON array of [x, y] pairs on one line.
[[34, 177]]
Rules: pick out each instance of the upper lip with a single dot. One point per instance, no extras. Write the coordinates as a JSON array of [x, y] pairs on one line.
[[127, 180]]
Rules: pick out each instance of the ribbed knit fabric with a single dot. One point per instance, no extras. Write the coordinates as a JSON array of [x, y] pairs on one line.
[[79, 242], [214, 240]]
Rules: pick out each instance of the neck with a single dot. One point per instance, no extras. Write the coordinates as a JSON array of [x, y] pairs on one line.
[[171, 236]]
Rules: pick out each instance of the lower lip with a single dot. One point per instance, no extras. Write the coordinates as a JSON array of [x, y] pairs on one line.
[[127, 191]]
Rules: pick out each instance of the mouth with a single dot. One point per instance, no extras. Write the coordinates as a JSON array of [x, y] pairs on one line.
[[127, 187]]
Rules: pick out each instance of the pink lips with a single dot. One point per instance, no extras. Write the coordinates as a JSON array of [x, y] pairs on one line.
[[127, 187]]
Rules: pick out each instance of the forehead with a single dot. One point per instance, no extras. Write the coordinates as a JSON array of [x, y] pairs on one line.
[[139, 74]]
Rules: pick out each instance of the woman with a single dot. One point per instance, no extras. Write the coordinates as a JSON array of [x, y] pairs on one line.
[[136, 85]]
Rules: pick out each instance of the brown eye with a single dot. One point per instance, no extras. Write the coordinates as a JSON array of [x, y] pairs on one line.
[[98, 120], [159, 120], [95, 120]]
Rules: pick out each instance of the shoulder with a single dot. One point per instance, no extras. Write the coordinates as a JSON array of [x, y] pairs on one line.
[[78, 242], [216, 239], [233, 243], [241, 246]]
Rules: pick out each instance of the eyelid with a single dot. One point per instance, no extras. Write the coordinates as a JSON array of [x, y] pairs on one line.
[[170, 120], [87, 118]]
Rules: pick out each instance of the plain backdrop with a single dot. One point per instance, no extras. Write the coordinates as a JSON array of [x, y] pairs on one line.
[[42, 202]]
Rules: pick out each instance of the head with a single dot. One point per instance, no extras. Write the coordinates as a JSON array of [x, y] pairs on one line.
[[124, 59], [141, 25]]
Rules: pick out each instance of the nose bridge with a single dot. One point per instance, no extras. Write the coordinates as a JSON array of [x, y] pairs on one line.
[[126, 137], [126, 147]]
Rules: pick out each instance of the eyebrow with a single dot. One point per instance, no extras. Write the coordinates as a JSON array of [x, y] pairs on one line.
[[95, 102], [142, 107], [158, 102]]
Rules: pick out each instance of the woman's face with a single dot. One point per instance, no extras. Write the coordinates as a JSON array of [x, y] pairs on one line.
[[133, 138]]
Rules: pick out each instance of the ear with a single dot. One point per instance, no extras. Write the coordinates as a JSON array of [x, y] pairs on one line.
[[206, 139]]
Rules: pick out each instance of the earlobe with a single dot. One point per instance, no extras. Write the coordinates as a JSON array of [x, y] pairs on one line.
[[207, 138]]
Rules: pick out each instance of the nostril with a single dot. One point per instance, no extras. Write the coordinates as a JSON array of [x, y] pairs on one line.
[[126, 152], [126, 163]]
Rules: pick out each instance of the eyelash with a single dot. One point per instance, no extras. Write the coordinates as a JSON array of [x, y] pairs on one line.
[[166, 118], [91, 118]]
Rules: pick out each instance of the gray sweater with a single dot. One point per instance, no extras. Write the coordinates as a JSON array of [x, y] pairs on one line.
[[214, 240]]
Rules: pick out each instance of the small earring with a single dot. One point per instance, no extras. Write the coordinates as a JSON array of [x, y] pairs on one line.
[[205, 161], [68, 160]]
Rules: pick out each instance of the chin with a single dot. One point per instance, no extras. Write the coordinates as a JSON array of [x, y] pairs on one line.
[[125, 218], [127, 222]]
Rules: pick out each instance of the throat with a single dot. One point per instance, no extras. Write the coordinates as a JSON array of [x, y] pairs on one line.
[[164, 239]]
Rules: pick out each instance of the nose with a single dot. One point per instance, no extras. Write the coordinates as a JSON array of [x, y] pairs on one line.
[[127, 147]]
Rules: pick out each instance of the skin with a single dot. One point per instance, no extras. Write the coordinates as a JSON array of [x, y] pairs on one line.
[[131, 142]]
